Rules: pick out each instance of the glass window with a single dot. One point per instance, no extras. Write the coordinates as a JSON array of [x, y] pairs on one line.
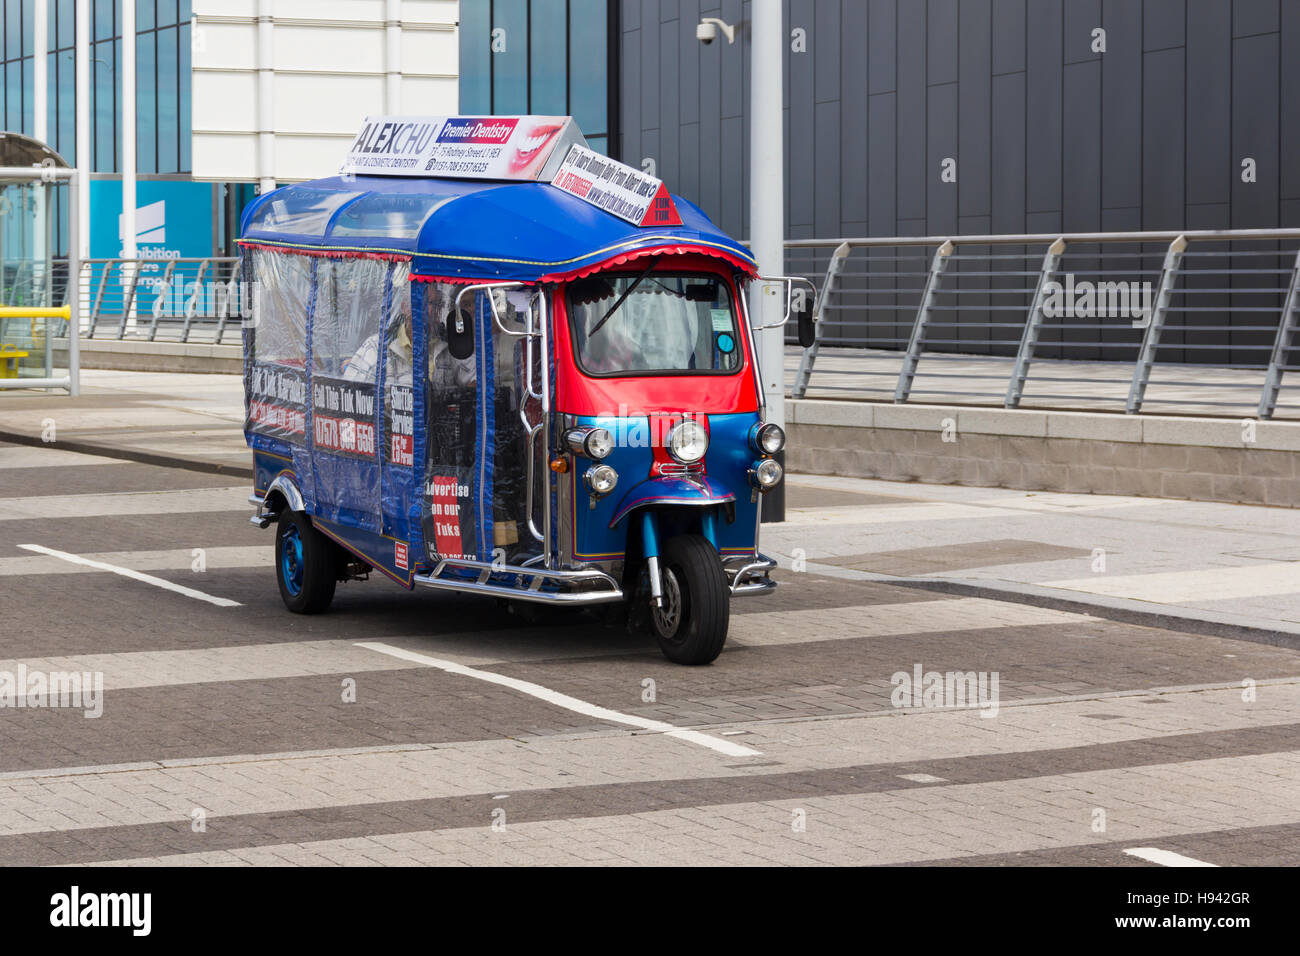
[[654, 323], [510, 68], [101, 95], [13, 30], [67, 23], [475, 58], [67, 116], [299, 210], [146, 106], [588, 65], [548, 94], [144, 14], [380, 214], [29, 104], [168, 135], [183, 122], [104, 26]]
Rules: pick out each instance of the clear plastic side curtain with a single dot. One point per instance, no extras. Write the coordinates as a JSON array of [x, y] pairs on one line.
[[399, 404], [449, 507], [345, 409]]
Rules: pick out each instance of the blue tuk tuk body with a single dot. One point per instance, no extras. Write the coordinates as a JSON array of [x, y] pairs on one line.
[[426, 398]]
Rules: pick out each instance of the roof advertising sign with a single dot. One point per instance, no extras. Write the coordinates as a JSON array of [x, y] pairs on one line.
[[619, 190], [462, 147]]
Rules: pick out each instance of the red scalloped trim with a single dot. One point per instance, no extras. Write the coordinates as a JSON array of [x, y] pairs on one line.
[[457, 280], [325, 253], [680, 250]]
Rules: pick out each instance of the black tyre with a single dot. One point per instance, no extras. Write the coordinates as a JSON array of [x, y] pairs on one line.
[[691, 626], [306, 564]]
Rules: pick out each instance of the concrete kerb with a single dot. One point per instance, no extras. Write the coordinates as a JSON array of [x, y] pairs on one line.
[[1121, 610], [1143, 429], [130, 454]]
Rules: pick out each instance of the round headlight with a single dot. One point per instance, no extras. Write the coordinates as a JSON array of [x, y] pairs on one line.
[[601, 479], [688, 441], [767, 473], [771, 439], [595, 443], [598, 443]]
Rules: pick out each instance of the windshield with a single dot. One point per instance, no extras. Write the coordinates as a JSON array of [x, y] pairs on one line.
[[654, 322]]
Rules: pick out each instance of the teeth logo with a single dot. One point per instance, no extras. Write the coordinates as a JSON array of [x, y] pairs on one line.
[[537, 139]]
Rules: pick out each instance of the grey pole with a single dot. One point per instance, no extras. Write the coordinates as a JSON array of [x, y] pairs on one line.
[[767, 212]]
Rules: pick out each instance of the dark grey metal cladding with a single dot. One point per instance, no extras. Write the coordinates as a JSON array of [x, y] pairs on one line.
[[1048, 133]]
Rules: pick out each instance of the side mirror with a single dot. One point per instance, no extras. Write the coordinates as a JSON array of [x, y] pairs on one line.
[[460, 334], [807, 329]]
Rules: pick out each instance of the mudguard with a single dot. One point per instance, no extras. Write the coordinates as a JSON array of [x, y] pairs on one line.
[[286, 486], [691, 490]]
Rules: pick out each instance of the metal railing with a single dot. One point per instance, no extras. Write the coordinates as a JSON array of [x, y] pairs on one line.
[[1217, 309], [176, 300]]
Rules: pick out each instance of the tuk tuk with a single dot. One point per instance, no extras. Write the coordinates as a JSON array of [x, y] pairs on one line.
[[489, 360]]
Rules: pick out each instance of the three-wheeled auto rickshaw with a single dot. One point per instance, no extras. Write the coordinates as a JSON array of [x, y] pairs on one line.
[[538, 387]]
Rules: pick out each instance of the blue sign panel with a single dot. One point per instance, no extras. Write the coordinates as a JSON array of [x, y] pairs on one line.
[[173, 220]]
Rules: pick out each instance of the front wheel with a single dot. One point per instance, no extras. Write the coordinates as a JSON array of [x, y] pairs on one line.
[[305, 564], [691, 626]]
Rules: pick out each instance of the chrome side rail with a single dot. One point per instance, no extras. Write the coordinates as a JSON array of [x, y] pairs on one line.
[[607, 590]]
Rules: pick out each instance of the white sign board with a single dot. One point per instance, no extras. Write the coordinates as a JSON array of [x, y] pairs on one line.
[[280, 87], [620, 190], [461, 147]]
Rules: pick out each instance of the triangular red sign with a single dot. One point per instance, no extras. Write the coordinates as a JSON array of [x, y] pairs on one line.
[[662, 210]]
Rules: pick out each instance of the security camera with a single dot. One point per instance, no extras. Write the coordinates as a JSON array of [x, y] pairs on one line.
[[706, 31]]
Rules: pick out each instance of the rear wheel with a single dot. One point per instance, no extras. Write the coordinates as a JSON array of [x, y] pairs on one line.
[[691, 625], [306, 564]]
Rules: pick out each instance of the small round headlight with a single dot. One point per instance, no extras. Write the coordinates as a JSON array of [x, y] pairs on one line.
[[601, 479], [771, 439], [598, 443], [766, 473], [688, 441], [594, 443]]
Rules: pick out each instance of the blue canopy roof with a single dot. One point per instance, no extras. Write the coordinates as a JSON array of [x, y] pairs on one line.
[[469, 229]]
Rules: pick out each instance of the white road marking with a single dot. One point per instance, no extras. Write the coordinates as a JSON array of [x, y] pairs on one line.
[[177, 559], [1180, 587], [184, 501], [922, 778], [1165, 857], [565, 701], [134, 575]]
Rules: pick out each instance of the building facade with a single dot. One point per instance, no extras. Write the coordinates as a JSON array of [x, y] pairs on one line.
[[176, 216], [958, 117]]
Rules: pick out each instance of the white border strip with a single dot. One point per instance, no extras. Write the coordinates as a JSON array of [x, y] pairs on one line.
[[565, 701], [134, 575], [1165, 857]]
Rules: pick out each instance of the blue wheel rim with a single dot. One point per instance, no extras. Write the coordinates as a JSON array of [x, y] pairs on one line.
[[291, 560]]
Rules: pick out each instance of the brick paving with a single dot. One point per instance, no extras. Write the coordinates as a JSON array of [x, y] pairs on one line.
[[1187, 742]]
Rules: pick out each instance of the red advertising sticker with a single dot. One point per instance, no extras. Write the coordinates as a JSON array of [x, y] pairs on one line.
[[399, 555], [344, 434], [445, 494]]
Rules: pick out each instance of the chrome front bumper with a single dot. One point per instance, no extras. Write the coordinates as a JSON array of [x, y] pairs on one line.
[[581, 588], [747, 576]]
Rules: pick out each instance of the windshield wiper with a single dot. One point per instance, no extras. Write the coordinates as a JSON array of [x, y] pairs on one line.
[[621, 299]]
